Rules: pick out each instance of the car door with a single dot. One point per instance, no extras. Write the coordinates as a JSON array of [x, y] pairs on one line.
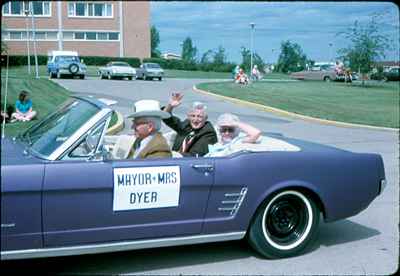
[[114, 200]]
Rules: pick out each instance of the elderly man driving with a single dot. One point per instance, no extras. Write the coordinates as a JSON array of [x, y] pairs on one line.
[[195, 133], [146, 123]]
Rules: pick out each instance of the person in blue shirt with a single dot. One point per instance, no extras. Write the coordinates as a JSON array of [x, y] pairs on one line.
[[23, 108]]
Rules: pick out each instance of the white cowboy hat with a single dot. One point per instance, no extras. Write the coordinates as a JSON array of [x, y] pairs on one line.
[[148, 108]]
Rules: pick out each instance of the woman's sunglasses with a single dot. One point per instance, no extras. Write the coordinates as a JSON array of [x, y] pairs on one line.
[[226, 129]]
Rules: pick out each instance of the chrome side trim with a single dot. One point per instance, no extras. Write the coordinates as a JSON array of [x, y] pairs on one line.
[[236, 203], [119, 246]]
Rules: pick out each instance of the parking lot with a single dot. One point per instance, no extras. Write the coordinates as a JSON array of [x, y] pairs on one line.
[[364, 244]]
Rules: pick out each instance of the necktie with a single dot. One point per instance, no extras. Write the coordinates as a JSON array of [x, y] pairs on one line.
[[187, 141]]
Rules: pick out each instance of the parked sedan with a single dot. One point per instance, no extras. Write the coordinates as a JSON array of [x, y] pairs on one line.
[[65, 191], [117, 69], [392, 75], [324, 74], [150, 71]]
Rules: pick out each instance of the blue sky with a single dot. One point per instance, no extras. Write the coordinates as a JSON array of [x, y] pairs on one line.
[[313, 25]]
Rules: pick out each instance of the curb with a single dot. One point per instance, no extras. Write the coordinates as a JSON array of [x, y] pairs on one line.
[[118, 126], [291, 114]]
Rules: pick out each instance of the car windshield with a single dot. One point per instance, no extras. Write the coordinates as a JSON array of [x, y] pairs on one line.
[[46, 136], [153, 65], [120, 64], [67, 58]]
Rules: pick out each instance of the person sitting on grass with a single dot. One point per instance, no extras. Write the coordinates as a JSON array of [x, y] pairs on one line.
[[23, 108], [6, 116]]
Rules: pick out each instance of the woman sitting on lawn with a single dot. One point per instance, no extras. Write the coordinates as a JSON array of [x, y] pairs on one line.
[[23, 108]]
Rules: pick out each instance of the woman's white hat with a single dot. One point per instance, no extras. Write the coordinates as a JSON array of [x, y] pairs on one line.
[[148, 108], [227, 119]]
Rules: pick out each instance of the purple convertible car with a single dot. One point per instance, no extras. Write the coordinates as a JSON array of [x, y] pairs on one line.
[[66, 191]]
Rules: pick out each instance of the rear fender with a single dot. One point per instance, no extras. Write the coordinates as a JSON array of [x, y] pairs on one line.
[[298, 185]]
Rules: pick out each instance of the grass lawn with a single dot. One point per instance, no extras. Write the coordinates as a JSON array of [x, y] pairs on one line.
[[376, 105], [45, 94]]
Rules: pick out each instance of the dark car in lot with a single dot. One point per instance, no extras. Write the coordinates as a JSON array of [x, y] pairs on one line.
[[63, 192], [392, 75]]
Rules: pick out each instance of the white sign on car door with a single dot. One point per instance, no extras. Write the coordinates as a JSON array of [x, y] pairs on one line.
[[146, 187]]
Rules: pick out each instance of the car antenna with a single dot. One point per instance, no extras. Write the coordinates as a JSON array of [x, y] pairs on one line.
[[5, 101]]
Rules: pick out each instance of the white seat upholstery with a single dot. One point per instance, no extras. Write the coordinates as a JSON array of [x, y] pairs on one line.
[[122, 146]]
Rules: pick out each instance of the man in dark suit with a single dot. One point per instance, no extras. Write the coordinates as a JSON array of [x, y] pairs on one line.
[[195, 133], [149, 143]]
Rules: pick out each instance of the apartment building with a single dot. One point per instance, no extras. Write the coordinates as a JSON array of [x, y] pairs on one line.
[[97, 28]]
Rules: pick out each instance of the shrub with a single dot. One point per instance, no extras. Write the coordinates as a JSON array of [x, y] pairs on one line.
[[20, 60]]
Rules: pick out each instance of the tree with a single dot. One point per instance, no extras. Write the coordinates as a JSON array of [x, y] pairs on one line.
[[219, 56], [155, 41], [206, 57], [246, 60], [367, 45], [291, 58], [189, 52]]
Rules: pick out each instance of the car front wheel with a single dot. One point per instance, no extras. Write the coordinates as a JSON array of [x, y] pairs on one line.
[[284, 225], [327, 79]]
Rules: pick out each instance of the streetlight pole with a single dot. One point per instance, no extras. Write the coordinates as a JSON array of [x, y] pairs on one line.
[[330, 52], [26, 11], [251, 45], [34, 40]]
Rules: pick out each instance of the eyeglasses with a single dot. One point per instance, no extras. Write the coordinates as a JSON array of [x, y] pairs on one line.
[[227, 129], [138, 123]]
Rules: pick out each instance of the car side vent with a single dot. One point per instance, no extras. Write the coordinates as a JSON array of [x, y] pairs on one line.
[[233, 201]]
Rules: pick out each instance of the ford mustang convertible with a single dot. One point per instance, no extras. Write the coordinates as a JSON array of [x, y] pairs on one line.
[[66, 189]]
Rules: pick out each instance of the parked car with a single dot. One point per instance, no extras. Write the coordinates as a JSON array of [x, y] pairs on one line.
[[64, 191], [117, 69], [150, 71], [392, 75], [324, 73], [65, 63]]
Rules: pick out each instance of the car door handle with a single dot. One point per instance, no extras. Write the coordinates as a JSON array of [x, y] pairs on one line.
[[203, 167]]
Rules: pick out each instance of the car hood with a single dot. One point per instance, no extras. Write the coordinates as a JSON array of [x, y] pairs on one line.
[[13, 153]]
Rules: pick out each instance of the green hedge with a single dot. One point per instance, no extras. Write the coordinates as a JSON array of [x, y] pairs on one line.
[[190, 66], [19, 60], [101, 61]]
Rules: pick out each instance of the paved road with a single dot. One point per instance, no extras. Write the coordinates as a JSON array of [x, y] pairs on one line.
[[364, 244]]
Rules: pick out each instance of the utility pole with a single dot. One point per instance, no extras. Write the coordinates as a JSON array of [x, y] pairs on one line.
[[26, 11], [30, 11], [251, 46]]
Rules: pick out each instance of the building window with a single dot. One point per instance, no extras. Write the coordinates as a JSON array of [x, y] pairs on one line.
[[53, 35], [113, 36], [15, 36], [22, 35], [91, 36], [68, 35], [18, 8], [79, 35], [83, 9], [102, 36]]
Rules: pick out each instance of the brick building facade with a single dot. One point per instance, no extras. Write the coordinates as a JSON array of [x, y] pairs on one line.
[[98, 28]]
